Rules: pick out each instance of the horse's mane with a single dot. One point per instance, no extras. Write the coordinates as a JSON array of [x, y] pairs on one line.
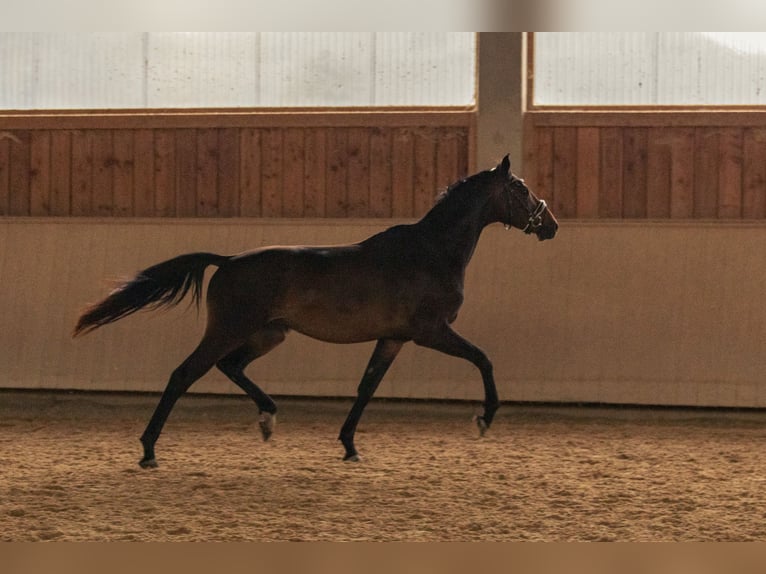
[[459, 196]]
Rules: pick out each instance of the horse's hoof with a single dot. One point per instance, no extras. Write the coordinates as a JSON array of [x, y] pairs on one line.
[[148, 463], [267, 422], [481, 423], [352, 458]]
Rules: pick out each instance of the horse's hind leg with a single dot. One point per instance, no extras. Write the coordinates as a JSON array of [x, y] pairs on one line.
[[234, 364], [195, 366]]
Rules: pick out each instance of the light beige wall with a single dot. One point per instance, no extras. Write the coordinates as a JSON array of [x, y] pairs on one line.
[[625, 313]]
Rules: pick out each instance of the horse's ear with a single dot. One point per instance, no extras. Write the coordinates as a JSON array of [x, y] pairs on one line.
[[505, 165]]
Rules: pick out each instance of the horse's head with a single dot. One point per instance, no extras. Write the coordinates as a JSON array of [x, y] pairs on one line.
[[519, 207]]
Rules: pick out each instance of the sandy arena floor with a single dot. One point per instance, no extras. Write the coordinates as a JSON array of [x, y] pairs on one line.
[[68, 472]]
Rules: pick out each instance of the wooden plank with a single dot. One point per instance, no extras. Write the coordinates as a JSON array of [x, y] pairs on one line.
[[18, 193], [610, 186], [228, 172], [543, 187], [337, 173], [82, 173], [465, 153], [730, 173], [588, 170], [314, 175], [123, 172], [380, 173], [61, 173], [294, 172], [103, 172], [165, 176], [635, 143], [275, 118], [659, 173], [424, 180], [565, 172], [358, 172], [706, 167], [682, 160], [529, 147], [271, 172], [447, 152], [185, 188], [143, 173], [754, 174], [402, 173], [40, 173], [650, 117], [5, 168], [207, 173], [250, 172]]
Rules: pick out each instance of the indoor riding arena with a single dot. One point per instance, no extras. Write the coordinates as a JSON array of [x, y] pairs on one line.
[[626, 351]]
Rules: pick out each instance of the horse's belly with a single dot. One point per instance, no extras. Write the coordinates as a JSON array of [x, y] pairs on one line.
[[343, 321]]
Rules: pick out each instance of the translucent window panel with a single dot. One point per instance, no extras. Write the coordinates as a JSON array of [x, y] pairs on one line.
[[649, 68], [425, 69], [316, 69], [247, 69], [68, 70], [209, 69]]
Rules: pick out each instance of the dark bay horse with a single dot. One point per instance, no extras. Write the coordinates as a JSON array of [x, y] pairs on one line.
[[403, 284]]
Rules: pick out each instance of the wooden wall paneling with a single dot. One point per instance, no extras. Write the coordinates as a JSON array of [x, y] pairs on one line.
[[250, 172], [294, 172], [610, 186], [143, 173], [706, 164], [588, 163], [18, 192], [185, 187], [565, 172], [228, 172], [658, 173], [124, 172], [337, 173], [730, 173], [358, 172], [40, 173], [402, 173], [82, 173], [381, 188], [424, 180], [635, 142], [272, 190], [682, 160], [103, 172], [754, 173], [61, 173], [5, 168], [208, 156], [315, 168], [165, 173]]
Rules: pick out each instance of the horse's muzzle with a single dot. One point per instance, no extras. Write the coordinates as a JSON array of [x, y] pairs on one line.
[[547, 230]]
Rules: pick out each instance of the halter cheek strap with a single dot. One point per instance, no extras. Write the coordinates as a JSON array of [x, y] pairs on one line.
[[536, 217]]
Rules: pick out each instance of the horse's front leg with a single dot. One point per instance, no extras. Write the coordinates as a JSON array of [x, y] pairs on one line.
[[444, 339], [384, 354]]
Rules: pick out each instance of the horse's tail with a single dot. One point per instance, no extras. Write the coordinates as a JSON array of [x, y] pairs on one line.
[[162, 285]]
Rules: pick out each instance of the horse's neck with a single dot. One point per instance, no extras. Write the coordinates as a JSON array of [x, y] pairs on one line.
[[455, 232]]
